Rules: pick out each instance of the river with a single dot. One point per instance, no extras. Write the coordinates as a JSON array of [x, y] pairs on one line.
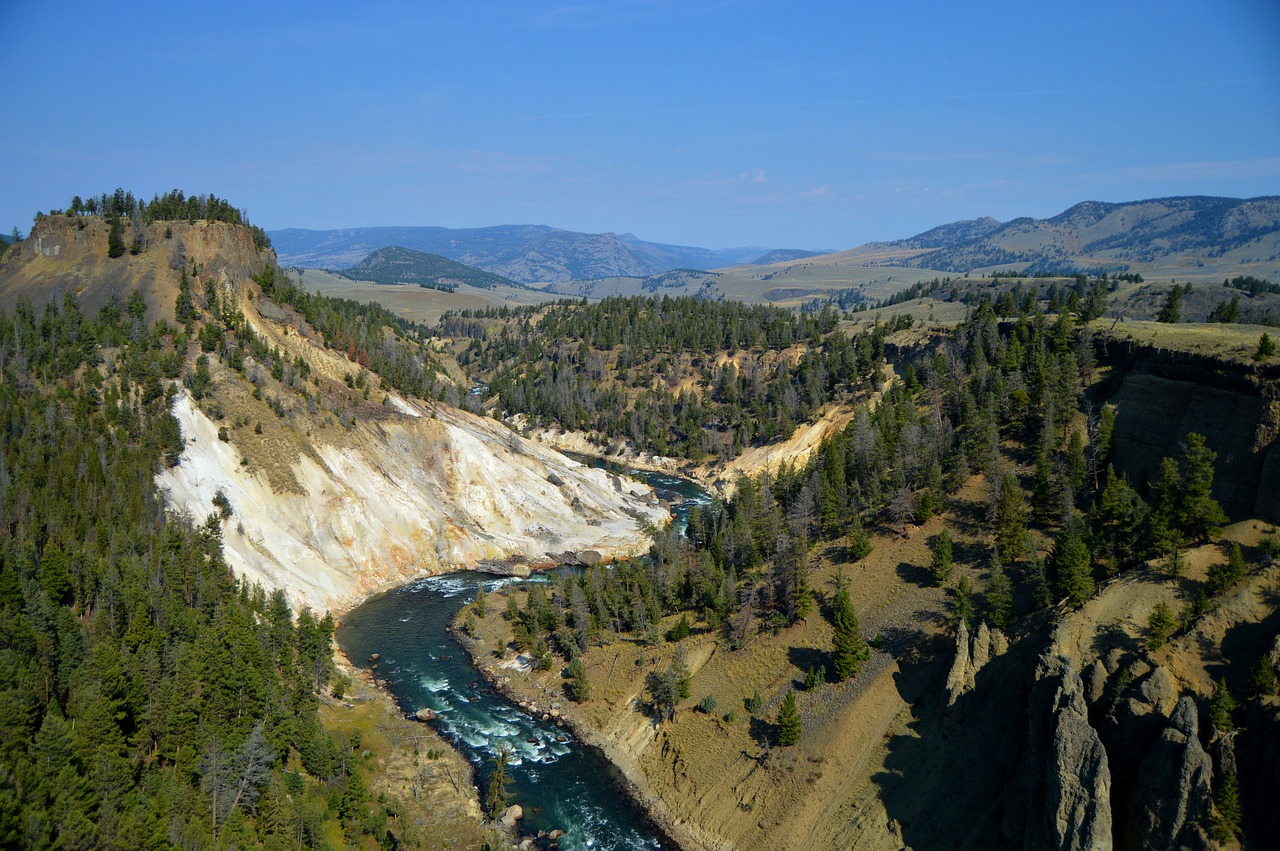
[[559, 783]]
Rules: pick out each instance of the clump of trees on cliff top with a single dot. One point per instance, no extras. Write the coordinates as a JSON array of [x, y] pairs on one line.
[[173, 206]]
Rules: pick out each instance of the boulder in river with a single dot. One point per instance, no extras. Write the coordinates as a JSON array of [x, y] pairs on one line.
[[424, 714]]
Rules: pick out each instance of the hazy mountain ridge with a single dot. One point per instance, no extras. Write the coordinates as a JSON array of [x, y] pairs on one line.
[[1098, 234], [397, 265], [1197, 235], [524, 253]]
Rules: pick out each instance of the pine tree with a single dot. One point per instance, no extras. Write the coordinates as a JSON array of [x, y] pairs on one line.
[[791, 579], [1166, 519], [850, 649], [941, 564], [788, 723], [354, 804], [961, 603], [1223, 576], [1221, 707], [1160, 625], [579, 686], [1226, 809], [1038, 583], [1262, 677], [1171, 310], [1044, 498], [680, 673], [115, 239], [1116, 522], [184, 309], [999, 596], [857, 540], [1266, 347], [1070, 564], [1011, 519], [1202, 516], [497, 793]]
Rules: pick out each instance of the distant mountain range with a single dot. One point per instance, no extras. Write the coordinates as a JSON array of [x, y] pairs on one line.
[[525, 253], [1195, 234], [1188, 230], [396, 265]]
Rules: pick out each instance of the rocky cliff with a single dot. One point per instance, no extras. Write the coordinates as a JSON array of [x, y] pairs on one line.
[[68, 255], [421, 493], [1161, 395], [1116, 751], [328, 508], [1061, 794], [1171, 803]]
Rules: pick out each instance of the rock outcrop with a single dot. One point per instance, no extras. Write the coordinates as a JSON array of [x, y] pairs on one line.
[[1061, 794], [66, 255], [1172, 800], [972, 654], [958, 678]]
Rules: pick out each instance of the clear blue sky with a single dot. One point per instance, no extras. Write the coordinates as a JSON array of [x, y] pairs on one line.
[[797, 124]]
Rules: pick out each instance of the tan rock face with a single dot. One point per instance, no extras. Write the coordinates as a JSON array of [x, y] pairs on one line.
[[61, 258], [412, 496], [958, 677]]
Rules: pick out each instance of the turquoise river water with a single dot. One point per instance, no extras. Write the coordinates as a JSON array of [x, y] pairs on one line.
[[558, 782]]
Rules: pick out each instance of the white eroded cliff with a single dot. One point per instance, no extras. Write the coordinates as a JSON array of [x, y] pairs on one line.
[[433, 490]]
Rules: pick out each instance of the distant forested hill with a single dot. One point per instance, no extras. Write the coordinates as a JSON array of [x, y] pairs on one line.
[[396, 265]]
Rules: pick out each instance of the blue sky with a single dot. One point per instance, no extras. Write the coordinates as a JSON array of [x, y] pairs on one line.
[[797, 124]]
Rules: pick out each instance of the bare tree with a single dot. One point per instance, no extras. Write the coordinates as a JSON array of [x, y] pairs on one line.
[[234, 780], [902, 510]]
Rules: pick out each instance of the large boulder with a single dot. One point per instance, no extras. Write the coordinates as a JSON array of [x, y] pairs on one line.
[[511, 815]]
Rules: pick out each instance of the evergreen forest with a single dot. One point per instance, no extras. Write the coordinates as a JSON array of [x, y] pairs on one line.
[[147, 697]]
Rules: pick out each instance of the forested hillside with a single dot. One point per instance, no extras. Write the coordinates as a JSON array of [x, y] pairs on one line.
[[997, 442], [680, 376], [148, 698], [895, 465]]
